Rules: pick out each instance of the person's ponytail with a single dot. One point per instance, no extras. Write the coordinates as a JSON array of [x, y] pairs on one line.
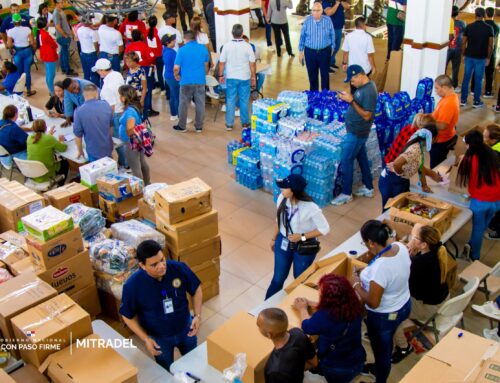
[[376, 232], [39, 127]]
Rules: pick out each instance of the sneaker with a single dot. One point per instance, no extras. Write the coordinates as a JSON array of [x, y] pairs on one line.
[[163, 92], [488, 95], [368, 370], [229, 128], [237, 113], [491, 333], [364, 192], [270, 48], [332, 70], [477, 105], [400, 353], [199, 130], [153, 113], [193, 104], [71, 73], [463, 103], [341, 199], [156, 91], [30, 93], [174, 118], [466, 252], [189, 121], [493, 236], [179, 129], [458, 89], [223, 109], [123, 169], [489, 309]]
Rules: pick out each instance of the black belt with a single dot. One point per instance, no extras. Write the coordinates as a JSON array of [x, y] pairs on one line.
[[319, 50], [21, 48]]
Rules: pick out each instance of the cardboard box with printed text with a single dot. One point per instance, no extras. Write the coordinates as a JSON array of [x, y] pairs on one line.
[[68, 194]]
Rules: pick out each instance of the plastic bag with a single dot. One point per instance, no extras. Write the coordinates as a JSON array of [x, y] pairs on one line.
[[90, 220], [112, 256], [150, 190], [237, 370], [133, 232]]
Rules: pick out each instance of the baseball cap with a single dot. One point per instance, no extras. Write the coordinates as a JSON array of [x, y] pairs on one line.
[[352, 71], [167, 39], [101, 64], [16, 18], [294, 181]]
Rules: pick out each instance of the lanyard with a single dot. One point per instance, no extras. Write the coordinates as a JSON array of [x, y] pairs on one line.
[[292, 214], [164, 294], [380, 254]]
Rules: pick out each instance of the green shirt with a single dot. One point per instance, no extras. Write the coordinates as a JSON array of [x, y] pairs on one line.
[[43, 151], [392, 13]]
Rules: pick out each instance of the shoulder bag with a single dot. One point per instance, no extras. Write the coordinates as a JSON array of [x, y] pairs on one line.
[[308, 247]]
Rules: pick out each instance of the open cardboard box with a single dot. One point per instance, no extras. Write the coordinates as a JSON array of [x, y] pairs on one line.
[[301, 291]]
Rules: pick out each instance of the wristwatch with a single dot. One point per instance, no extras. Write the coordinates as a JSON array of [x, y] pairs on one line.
[[303, 237]]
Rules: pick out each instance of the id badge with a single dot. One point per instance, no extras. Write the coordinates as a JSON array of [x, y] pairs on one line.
[[284, 244], [393, 316], [168, 306]]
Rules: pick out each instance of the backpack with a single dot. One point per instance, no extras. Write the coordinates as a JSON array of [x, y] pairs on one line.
[[143, 138]]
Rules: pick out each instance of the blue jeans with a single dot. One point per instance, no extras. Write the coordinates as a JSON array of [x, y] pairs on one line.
[[64, 43], [50, 75], [23, 60], [340, 375], [381, 330], [338, 41], [183, 342], [354, 148], [477, 66], [283, 260], [148, 100], [482, 214], [115, 60], [88, 61], [237, 89], [122, 160], [174, 87], [392, 185], [7, 162]]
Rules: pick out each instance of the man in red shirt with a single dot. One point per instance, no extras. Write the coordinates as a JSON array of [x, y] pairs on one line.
[[130, 24]]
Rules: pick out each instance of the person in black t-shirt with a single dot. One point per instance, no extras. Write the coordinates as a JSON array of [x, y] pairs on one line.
[[490, 68], [292, 349], [55, 106], [477, 48]]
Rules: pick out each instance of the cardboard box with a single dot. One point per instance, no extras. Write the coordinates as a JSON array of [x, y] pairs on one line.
[[208, 270], [340, 264], [15, 238], [120, 211], [183, 201], [146, 212], [47, 223], [196, 255], [5, 378], [210, 289], [490, 372], [301, 291], [72, 366], [51, 253], [11, 253], [88, 299], [49, 327], [90, 172], [18, 295], [193, 232], [28, 373], [68, 194], [25, 265], [16, 201], [239, 334], [118, 187], [441, 220]]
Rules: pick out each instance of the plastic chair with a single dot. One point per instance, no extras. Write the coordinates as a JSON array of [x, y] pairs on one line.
[[20, 85], [4, 152], [450, 313], [211, 82], [489, 277], [33, 169]]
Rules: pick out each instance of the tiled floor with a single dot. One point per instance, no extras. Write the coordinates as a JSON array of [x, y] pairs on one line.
[[247, 217]]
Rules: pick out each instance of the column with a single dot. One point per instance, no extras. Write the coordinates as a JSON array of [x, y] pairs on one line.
[[426, 41], [228, 13]]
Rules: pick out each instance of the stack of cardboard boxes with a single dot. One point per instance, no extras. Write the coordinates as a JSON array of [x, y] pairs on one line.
[[184, 214], [89, 173]]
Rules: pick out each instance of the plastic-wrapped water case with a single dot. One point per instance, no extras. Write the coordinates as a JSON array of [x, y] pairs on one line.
[[134, 232]]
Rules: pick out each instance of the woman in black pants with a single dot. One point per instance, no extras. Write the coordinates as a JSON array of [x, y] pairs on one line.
[[276, 16]]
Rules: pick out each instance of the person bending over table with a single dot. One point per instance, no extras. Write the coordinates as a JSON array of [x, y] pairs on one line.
[[383, 288], [293, 351], [491, 136], [12, 136], [73, 97], [155, 304], [337, 321], [432, 271], [55, 106]]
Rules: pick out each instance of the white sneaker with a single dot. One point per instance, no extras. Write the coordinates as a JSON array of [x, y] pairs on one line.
[[156, 91], [163, 92], [174, 118], [341, 199], [270, 48], [193, 104], [364, 192], [223, 109], [488, 309], [237, 113], [491, 333], [189, 121], [458, 89]]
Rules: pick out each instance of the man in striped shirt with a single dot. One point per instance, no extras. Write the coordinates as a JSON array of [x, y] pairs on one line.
[[317, 41]]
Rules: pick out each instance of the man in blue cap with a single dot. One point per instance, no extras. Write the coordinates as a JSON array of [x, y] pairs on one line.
[[358, 121]]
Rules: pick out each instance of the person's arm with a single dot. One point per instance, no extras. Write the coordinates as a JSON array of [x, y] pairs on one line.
[[130, 126], [345, 59], [366, 115], [330, 11], [196, 300], [253, 71], [78, 132], [465, 42], [69, 108], [346, 5], [59, 145], [144, 83], [177, 72], [133, 324], [57, 23], [490, 50], [10, 43], [302, 41], [373, 297], [32, 41], [222, 66], [371, 59], [275, 234], [397, 165]]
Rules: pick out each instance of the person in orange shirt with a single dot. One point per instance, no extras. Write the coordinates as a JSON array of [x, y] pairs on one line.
[[446, 115]]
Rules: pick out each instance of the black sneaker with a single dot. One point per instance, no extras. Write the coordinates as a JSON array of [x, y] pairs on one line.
[[369, 370], [179, 129], [493, 236], [199, 130], [72, 73], [400, 353], [335, 66], [153, 113], [332, 70]]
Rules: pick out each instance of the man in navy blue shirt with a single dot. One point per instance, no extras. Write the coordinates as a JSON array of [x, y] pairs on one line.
[[73, 97], [155, 304], [8, 24], [12, 137], [336, 10]]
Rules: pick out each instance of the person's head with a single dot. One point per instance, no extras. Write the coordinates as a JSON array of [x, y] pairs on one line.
[[356, 76], [491, 134], [10, 113], [237, 31], [17, 19], [455, 11], [71, 85], [90, 92], [195, 25], [273, 323], [59, 4], [189, 36], [423, 119], [111, 20], [129, 97], [41, 23], [168, 40], [39, 127], [131, 59], [169, 17], [59, 89], [43, 9], [14, 8], [136, 35], [152, 21], [293, 186], [317, 10], [151, 258], [432, 128], [443, 85], [424, 238], [375, 235], [480, 13], [338, 298], [360, 23], [490, 13], [133, 16], [10, 67], [86, 20], [102, 67]]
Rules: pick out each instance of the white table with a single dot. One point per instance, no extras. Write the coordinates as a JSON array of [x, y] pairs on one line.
[[149, 370]]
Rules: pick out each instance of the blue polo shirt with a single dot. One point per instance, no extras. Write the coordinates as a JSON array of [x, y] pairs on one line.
[[10, 81], [8, 24], [338, 18], [143, 296], [12, 137], [192, 58]]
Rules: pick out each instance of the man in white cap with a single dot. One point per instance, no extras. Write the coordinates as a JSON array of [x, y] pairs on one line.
[[111, 81]]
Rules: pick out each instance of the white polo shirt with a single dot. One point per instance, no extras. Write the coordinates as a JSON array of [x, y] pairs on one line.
[[169, 30], [359, 45], [109, 39], [237, 54], [87, 37], [109, 90], [20, 36]]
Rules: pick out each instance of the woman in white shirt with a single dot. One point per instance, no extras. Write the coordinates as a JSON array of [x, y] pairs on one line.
[[383, 287], [299, 222]]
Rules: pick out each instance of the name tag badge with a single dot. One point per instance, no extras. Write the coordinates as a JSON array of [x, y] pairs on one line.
[[284, 244], [393, 316], [168, 306]]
